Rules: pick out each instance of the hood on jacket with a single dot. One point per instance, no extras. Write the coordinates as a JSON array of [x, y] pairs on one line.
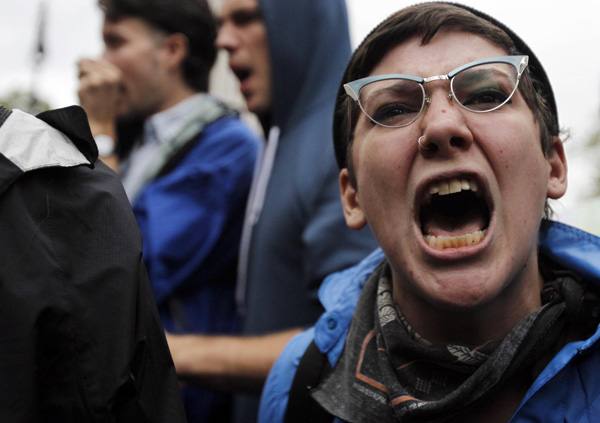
[[309, 44]]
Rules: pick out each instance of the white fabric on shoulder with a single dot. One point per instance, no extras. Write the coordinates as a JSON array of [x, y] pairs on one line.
[[32, 144]]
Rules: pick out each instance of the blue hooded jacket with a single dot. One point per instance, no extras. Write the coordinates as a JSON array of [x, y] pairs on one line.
[[567, 390], [301, 235]]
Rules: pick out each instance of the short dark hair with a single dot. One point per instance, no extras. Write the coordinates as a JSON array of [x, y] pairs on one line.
[[192, 18], [425, 20]]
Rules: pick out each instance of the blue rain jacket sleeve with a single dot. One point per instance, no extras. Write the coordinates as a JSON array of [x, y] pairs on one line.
[[191, 221]]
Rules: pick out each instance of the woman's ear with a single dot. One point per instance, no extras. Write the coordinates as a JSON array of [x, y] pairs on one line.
[[557, 183], [355, 217]]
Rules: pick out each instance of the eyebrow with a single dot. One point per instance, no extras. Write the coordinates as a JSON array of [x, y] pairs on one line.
[[399, 86], [242, 16]]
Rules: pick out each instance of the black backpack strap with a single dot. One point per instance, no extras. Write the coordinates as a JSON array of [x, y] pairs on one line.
[[301, 406]]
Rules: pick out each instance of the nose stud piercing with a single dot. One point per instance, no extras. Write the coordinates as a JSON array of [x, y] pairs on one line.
[[421, 138]]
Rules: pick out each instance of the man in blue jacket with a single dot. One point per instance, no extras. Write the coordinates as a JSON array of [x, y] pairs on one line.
[[288, 56], [187, 170], [477, 308]]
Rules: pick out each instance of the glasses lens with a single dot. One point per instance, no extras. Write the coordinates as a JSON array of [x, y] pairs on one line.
[[485, 87], [392, 102]]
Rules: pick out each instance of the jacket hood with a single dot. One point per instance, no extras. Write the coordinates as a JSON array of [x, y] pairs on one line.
[[309, 44], [57, 138]]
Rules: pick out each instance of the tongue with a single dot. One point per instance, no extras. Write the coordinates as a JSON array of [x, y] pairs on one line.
[[437, 224]]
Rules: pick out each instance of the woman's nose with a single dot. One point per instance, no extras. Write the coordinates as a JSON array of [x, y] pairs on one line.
[[444, 126]]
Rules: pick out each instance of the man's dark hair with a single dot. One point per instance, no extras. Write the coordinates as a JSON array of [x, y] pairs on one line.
[[192, 18]]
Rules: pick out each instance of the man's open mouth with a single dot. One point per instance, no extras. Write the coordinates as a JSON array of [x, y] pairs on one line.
[[454, 213], [241, 73]]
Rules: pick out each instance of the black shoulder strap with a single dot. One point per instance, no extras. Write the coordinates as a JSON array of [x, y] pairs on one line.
[[301, 406]]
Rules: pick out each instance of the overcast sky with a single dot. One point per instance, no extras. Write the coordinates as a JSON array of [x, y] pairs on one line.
[[564, 35]]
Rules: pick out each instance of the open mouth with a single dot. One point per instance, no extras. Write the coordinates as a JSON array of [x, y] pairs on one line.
[[454, 214], [241, 73]]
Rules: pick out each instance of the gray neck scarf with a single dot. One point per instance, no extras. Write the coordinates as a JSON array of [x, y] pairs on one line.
[[388, 373]]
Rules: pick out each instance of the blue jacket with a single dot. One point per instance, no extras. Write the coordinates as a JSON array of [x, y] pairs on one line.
[[191, 218], [567, 390], [301, 235]]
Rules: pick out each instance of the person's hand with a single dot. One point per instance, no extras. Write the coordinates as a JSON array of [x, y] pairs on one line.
[[99, 94]]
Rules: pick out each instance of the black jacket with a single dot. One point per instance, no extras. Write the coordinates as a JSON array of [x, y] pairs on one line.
[[80, 338]]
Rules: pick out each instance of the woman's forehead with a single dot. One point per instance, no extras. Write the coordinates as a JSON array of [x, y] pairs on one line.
[[446, 51]]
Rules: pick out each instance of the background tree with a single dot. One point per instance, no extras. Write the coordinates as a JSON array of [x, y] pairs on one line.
[[25, 101]]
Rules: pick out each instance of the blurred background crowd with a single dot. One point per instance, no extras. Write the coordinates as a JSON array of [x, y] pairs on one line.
[[43, 40]]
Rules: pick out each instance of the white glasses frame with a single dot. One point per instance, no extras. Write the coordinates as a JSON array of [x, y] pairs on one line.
[[353, 88]]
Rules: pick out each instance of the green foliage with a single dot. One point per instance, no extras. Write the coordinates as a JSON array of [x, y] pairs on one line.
[[24, 101]]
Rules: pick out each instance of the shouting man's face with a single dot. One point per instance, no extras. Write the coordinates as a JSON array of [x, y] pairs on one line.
[[244, 35]]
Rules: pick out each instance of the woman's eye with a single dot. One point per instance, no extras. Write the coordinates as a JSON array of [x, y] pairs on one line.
[[393, 111], [486, 98]]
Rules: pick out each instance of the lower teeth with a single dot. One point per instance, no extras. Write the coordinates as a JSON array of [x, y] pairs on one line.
[[442, 242]]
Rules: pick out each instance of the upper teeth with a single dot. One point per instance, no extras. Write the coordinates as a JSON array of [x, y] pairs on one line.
[[452, 186]]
